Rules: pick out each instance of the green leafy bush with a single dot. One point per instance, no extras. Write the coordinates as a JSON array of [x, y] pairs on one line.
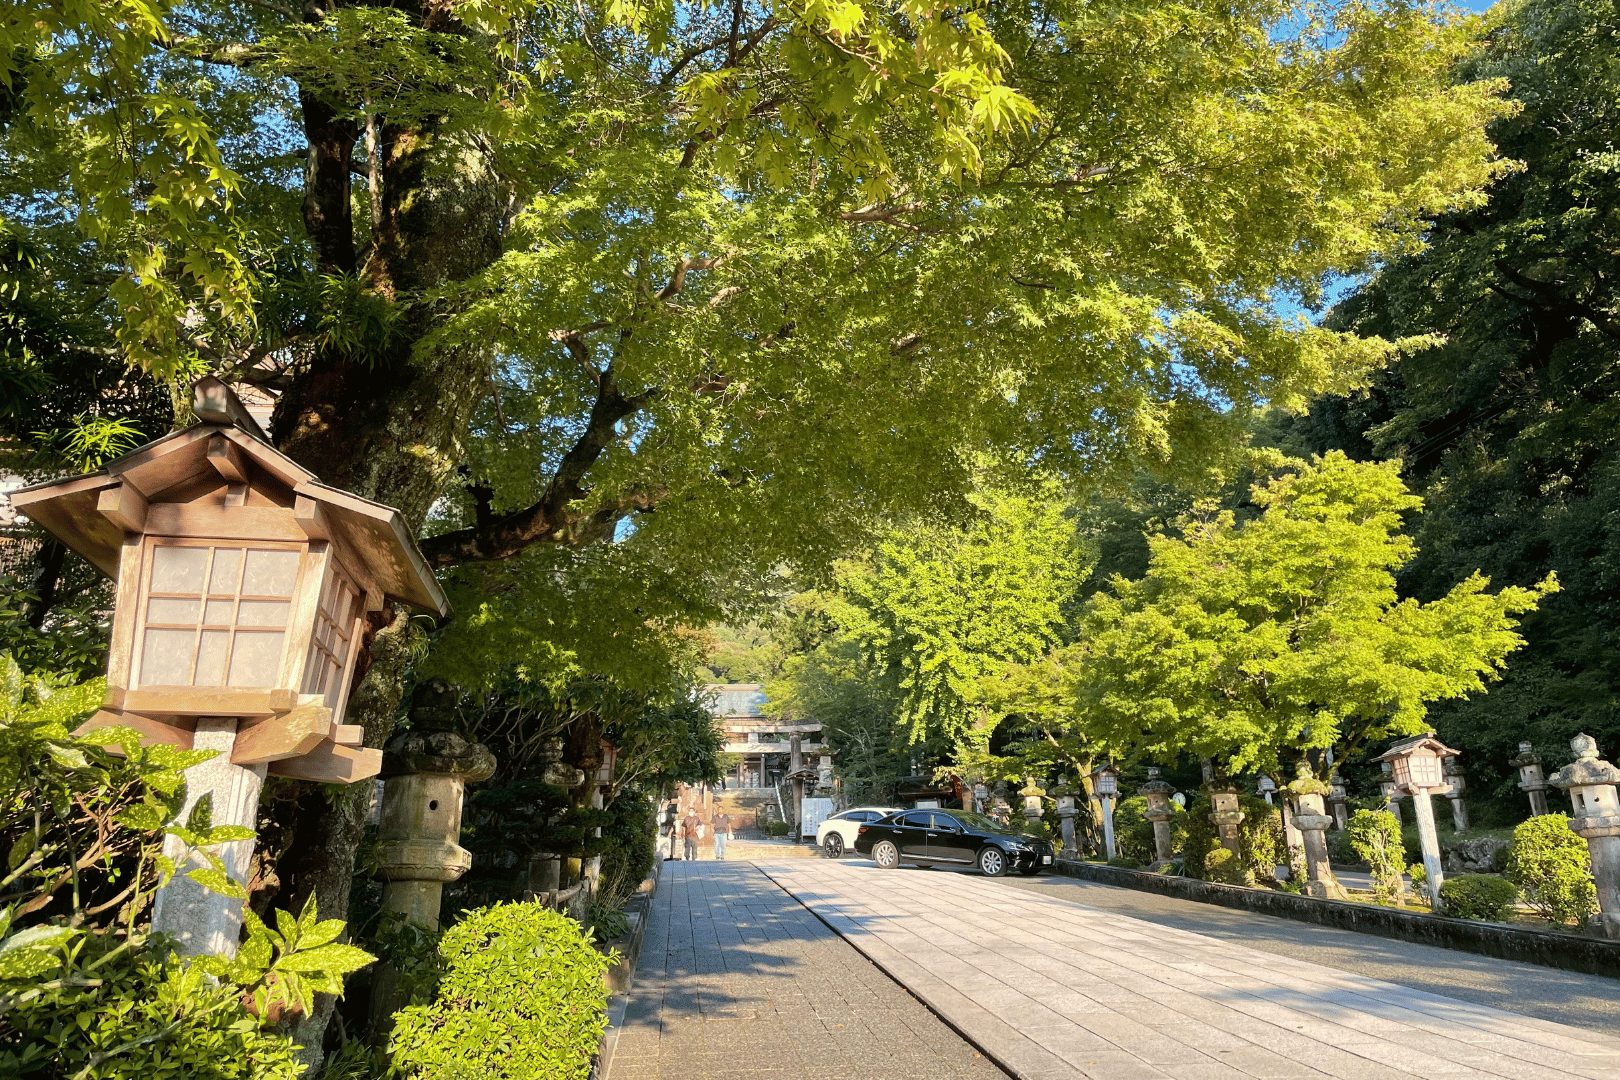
[[1478, 896], [1261, 836], [1125, 862], [1225, 868], [1375, 838], [1200, 837], [1419, 876], [1553, 868], [608, 921], [521, 998], [628, 846], [776, 828], [84, 990]]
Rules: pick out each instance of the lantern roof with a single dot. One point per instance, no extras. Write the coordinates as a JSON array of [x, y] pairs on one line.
[[228, 443], [1587, 769], [1418, 742]]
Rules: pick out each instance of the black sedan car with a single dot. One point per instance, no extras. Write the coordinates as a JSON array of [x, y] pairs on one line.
[[952, 838]]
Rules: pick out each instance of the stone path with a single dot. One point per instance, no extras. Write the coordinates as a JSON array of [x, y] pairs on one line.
[[737, 980], [1057, 989], [1590, 1001]]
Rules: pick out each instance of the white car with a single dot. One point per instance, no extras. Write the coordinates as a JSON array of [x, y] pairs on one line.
[[836, 834]]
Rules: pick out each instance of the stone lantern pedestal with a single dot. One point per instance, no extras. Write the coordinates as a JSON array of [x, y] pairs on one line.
[[1338, 801], [1157, 792], [1066, 814], [1312, 820], [1591, 783]]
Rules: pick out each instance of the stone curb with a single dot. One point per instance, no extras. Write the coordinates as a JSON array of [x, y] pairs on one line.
[[622, 974], [1548, 948]]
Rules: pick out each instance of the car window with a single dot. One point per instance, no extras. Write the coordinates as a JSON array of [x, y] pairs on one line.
[[980, 823], [846, 816], [866, 815], [945, 821], [920, 820]]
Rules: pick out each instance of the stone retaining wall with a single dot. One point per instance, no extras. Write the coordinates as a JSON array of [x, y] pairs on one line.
[[1549, 948]]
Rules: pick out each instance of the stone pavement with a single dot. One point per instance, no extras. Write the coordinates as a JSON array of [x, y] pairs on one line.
[[1568, 997], [1053, 988], [737, 980]]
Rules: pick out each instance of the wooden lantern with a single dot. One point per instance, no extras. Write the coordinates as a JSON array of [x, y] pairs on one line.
[[243, 589], [1416, 764]]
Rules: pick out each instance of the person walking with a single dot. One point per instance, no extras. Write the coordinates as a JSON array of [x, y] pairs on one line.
[[722, 833], [690, 827], [669, 827]]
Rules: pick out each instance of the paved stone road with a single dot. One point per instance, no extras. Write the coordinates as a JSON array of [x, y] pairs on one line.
[[1568, 997], [738, 981], [1057, 989]]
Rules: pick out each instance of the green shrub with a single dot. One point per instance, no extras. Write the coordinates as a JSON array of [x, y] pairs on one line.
[[1261, 836], [629, 846], [1419, 876], [776, 828], [1375, 838], [1553, 868], [607, 920], [1200, 836], [1478, 896], [1341, 849], [84, 991], [1125, 862], [1225, 868], [521, 998]]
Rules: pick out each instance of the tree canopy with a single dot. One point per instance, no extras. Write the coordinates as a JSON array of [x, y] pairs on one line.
[[1249, 640]]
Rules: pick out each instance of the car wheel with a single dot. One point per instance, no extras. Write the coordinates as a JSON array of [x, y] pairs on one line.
[[993, 861], [885, 854], [833, 846]]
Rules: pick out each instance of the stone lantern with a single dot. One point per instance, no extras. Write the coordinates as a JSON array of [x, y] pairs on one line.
[[1227, 815], [1532, 778], [418, 851], [1032, 802], [1266, 787], [981, 798], [243, 589], [1157, 792], [1456, 787], [1066, 812], [1105, 782], [1338, 800], [1312, 820], [1591, 783], [1391, 793], [1417, 770]]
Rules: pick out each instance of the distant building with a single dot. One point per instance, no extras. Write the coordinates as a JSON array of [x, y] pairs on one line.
[[763, 745]]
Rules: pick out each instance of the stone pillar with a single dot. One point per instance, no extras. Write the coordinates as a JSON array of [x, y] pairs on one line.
[[1310, 817], [1591, 783], [425, 774], [1456, 785], [1066, 813], [1532, 778], [1429, 840], [1157, 792], [1227, 817], [201, 920], [795, 763]]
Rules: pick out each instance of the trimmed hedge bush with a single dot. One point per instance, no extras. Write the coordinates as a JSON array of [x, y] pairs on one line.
[[1478, 896], [1224, 868], [776, 828], [521, 998], [1553, 868]]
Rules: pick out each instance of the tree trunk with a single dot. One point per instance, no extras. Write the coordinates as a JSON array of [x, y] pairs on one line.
[[386, 424]]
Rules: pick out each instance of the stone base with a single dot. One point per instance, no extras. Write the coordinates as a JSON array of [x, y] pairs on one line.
[[1329, 889]]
